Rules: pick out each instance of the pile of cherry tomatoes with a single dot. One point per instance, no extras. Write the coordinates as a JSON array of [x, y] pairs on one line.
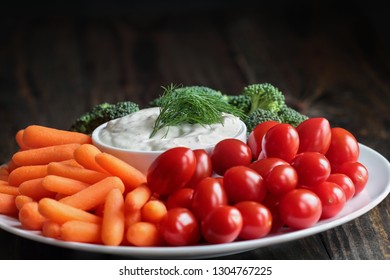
[[282, 177]]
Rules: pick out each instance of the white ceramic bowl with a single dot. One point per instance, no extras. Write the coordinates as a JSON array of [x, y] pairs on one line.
[[143, 159]]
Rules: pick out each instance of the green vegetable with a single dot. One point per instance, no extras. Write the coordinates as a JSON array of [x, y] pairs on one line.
[[193, 105], [102, 113], [291, 116], [259, 116], [264, 96], [240, 101]]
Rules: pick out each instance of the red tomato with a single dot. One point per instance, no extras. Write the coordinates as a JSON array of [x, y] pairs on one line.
[[180, 198], [203, 168], [272, 203], [228, 153], [256, 137], [243, 183], [332, 198], [344, 182], [281, 179], [281, 141], [265, 165], [208, 194], [171, 170], [257, 220], [300, 208], [222, 225], [314, 135], [179, 227], [343, 147], [357, 172], [313, 168]]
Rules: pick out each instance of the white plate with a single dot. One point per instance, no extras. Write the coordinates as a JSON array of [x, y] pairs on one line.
[[376, 190]]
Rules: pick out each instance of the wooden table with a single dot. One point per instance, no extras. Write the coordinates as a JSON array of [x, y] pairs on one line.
[[331, 63]]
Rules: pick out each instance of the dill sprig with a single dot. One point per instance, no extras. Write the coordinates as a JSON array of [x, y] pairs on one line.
[[191, 105]]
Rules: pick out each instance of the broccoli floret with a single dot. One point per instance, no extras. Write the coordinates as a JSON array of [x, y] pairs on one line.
[[102, 113], [259, 116], [291, 116], [242, 102], [264, 96]]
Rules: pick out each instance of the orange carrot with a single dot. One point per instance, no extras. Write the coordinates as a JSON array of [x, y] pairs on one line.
[[60, 213], [71, 162], [153, 211], [143, 234], [4, 173], [93, 195], [20, 200], [6, 188], [20, 141], [137, 198], [130, 176], [132, 217], [36, 136], [85, 156], [113, 223], [29, 216], [7, 204], [35, 189], [25, 173], [78, 231], [76, 173], [51, 229], [45, 155], [11, 166], [63, 185]]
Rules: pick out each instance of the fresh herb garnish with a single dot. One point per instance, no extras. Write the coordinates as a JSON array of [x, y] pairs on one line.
[[192, 105]]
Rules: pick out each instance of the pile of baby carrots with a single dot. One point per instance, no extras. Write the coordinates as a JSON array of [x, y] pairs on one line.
[[59, 183]]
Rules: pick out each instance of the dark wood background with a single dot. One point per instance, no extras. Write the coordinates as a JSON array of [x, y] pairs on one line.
[[58, 60]]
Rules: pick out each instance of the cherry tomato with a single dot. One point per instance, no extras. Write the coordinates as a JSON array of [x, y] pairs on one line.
[[257, 220], [256, 137], [228, 153], [272, 203], [357, 172], [180, 227], [281, 141], [313, 168], [281, 179], [332, 198], [180, 198], [343, 147], [243, 183], [208, 194], [314, 135], [222, 225], [344, 182], [171, 170], [203, 167], [265, 165], [300, 208]]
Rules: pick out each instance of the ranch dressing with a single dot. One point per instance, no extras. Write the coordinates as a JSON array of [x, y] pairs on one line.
[[133, 132]]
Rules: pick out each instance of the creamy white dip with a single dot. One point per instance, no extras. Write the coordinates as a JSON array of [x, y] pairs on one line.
[[133, 132]]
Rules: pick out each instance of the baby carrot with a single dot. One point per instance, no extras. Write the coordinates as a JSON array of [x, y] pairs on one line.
[[45, 155], [35, 189], [36, 136], [76, 173], [71, 162], [29, 216], [6, 188], [143, 234], [51, 229], [63, 185], [153, 211], [7, 204], [25, 173], [85, 156], [136, 198], [20, 141], [93, 195], [21, 199], [78, 231], [130, 176], [60, 213], [4, 173], [113, 223], [132, 217]]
